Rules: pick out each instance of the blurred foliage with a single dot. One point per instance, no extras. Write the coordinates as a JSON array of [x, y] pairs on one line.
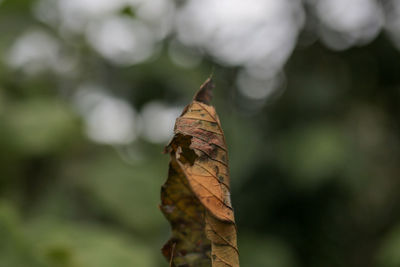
[[315, 166]]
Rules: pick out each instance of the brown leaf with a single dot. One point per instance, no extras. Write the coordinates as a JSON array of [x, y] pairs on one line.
[[196, 197]]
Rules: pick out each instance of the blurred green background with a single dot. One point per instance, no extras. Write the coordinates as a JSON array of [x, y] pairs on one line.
[[308, 93]]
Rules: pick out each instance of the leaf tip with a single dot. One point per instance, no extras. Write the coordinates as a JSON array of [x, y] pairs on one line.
[[204, 95]]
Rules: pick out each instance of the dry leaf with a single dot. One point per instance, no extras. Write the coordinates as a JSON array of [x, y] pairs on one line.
[[196, 197]]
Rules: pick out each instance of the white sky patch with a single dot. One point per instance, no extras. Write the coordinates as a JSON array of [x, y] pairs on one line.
[[238, 33], [347, 23], [121, 40], [34, 51], [158, 14], [109, 120], [255, 88], [159, 121], [75, 14]]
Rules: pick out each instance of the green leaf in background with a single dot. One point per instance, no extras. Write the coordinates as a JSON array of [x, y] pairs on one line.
[[313, 154], [42, 125], [389, 254], [15, 248], [62, 244], [265, 251], [128, 193]]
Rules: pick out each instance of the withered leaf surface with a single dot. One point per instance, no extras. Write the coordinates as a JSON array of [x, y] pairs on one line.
[[196, 196]]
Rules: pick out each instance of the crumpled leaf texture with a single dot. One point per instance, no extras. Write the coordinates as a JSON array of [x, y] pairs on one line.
[[196, 196]]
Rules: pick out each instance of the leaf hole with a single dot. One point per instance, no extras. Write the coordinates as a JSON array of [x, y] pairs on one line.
[[187, 155]]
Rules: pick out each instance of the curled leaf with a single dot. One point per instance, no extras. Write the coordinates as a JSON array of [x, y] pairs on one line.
[[196, 196]]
